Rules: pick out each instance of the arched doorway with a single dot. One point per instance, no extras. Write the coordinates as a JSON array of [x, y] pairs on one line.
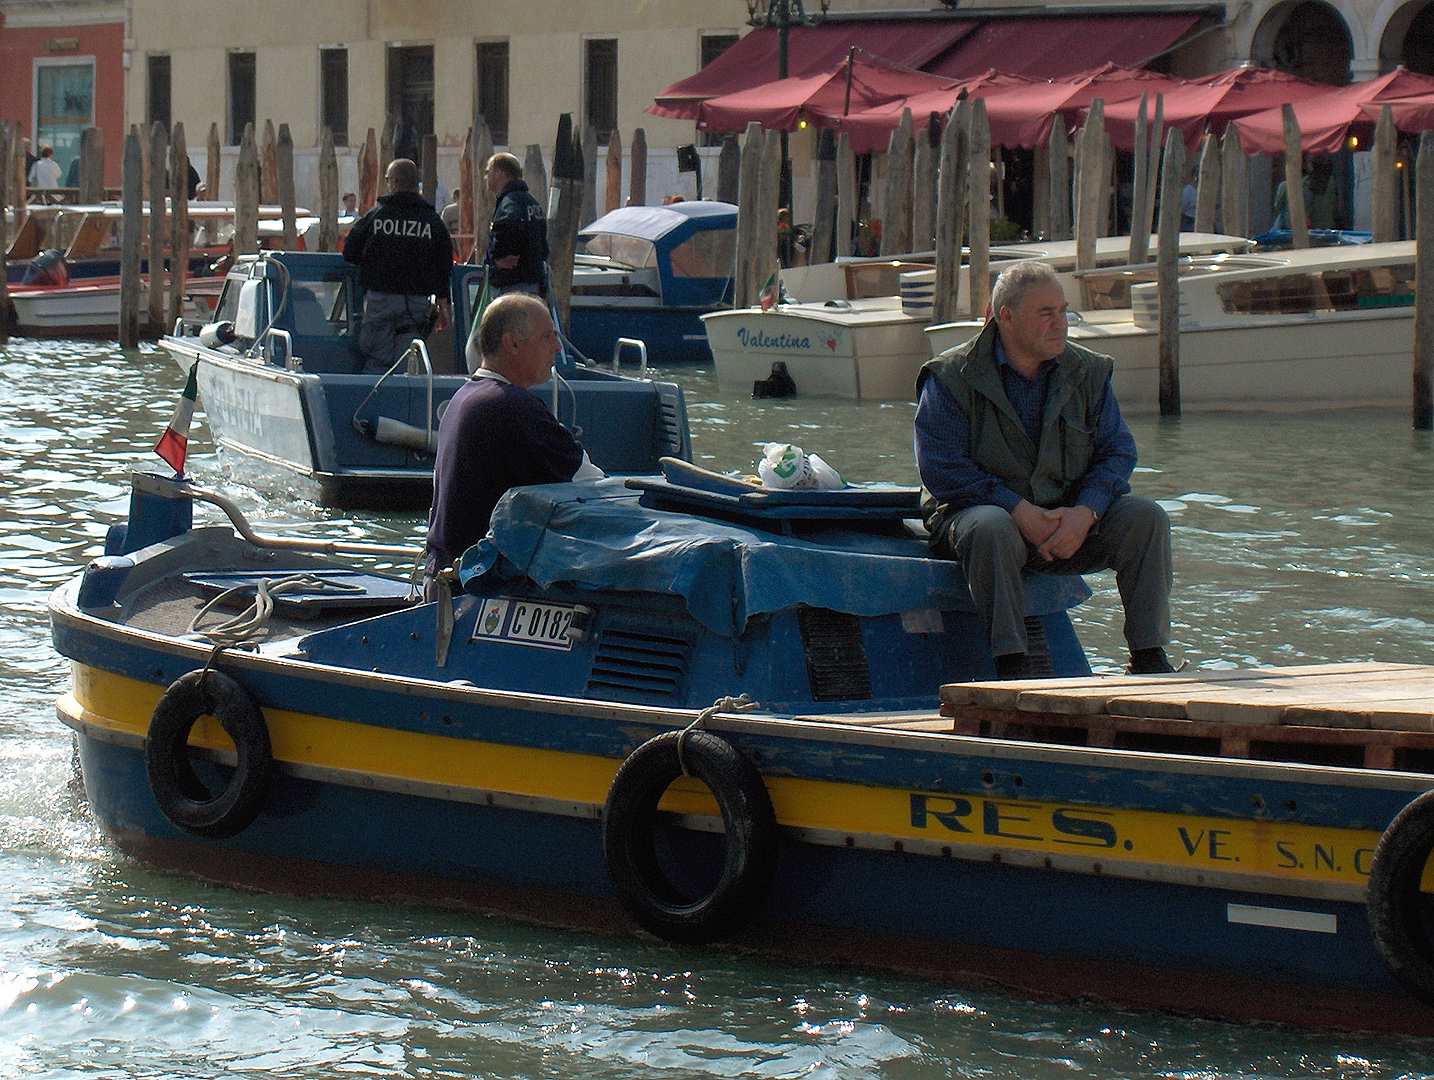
[[1307, 38], [1408, 39]]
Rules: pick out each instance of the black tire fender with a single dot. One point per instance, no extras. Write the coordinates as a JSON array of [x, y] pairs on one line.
[[749, 826], [1396, 905], [181, 796]]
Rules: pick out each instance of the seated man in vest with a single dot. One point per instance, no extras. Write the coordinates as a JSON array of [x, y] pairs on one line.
[[1027, 462], [496, 433]]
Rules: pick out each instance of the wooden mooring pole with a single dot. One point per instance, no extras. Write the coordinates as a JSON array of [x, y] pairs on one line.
[[568, 173], [1295, 179], [1139, 247], [951, 213], [158, 224], [178, 224], [131, 185], [637, 169], [8, 317], [1383, 212], [749, 176], [284, 183], [1424, 286], [979, 186], [1167, 272]]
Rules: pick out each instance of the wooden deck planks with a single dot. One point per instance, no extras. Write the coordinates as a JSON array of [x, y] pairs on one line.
[[1367, 695]]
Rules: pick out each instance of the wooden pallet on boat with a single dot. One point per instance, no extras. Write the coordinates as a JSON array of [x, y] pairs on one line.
[[1378, 716]]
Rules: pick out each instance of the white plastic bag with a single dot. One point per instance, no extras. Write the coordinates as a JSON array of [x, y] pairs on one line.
[[784, 466]]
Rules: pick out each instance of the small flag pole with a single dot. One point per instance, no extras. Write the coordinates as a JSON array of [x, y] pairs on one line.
[[175, 440]]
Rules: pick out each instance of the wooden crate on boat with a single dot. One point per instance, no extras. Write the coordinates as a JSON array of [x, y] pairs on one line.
[[1378, 716]]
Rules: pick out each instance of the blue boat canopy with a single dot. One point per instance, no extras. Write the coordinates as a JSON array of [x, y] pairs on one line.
[[598, 536], [692, 245]]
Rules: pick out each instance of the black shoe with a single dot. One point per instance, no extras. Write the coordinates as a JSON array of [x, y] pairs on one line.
[[1016, 665], [1149, 662]]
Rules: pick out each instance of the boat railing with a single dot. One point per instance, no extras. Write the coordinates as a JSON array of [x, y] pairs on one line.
[[385, 429], [177, 487], [635, 343]]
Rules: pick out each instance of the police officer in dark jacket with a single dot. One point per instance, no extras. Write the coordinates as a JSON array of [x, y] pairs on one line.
[[405, 257], [518, 239]]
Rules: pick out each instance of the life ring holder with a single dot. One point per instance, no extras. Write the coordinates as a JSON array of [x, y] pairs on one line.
[[749, 826], [1395, 919], [182, 797]]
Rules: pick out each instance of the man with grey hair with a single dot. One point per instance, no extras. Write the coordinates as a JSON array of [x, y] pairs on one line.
[[1026, 462], [496, 433], [405, 258]]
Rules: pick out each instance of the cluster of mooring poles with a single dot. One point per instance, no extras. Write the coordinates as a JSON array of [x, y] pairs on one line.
[[929, 178]]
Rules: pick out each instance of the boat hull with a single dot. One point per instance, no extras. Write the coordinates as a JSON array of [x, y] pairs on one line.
[[1053, 869], [671, 335], [1314, 362], [867, 354]]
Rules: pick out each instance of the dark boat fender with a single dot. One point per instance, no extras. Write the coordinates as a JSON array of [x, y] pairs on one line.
[[749, 826], [1398, 911], [181, 796]]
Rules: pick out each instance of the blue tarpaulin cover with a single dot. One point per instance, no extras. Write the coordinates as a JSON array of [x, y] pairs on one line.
[[596, 535]]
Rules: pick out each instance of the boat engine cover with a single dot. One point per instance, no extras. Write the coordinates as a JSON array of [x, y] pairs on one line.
[[47, 268]]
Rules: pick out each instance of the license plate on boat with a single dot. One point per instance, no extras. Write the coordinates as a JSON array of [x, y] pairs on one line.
[[523, 622]]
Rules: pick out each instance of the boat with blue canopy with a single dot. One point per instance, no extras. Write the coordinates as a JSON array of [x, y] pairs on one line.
[[688, 706], [281, 380], [648, 273]]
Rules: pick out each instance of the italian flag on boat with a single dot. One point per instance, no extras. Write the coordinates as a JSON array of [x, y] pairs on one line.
[[175, 440], [768, 296]]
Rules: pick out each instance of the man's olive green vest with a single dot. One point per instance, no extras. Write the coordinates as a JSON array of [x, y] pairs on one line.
[[1050, 474]]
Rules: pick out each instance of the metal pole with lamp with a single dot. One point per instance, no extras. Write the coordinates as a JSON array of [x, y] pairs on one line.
[[782, 14]]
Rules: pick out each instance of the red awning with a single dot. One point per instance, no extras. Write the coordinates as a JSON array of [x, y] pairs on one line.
[[811, 50], [1327, 119], [1210, 101], [1022, 116], [1055, 47], [858, 83], [870, 128]]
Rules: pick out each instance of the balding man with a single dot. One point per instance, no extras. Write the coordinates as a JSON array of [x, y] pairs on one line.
[[496, 433], [1027, 462], [405, 257]]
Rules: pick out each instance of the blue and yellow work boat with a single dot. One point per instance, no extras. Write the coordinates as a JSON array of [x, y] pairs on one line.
[[727, 715]]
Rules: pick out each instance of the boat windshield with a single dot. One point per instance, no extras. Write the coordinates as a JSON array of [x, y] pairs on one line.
[[629, 251], [711, 254], [1343, 289]]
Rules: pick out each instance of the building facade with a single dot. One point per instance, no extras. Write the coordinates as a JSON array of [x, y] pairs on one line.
[[61, 71], [435, 64]]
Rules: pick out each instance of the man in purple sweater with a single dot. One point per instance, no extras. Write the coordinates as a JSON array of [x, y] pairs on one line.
[[496, 433]]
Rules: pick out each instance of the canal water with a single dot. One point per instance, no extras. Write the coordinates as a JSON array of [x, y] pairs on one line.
[[1298, 539]]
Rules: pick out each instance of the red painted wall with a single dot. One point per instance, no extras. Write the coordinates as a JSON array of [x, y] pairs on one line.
[[20, 47]]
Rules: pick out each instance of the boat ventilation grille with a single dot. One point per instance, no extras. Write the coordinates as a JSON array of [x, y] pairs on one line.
[[836, 656], [669, 422], [1038, 649], [637, 665]]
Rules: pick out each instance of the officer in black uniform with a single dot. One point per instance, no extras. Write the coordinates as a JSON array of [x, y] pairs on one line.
[[405, 257], [518, 239]]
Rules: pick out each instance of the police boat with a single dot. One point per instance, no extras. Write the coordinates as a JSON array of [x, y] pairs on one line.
[[282, 384]]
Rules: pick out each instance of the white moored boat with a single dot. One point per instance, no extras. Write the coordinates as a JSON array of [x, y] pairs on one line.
[[1320, 328], [855, 329]]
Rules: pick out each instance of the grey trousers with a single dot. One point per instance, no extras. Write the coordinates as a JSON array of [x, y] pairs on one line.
[[390, 323], [1132, 538]]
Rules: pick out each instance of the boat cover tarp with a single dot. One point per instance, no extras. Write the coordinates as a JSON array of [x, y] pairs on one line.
[[596, 536]]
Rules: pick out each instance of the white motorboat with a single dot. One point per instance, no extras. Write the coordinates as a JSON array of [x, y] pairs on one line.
[[855, 328], [1314, 329]]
